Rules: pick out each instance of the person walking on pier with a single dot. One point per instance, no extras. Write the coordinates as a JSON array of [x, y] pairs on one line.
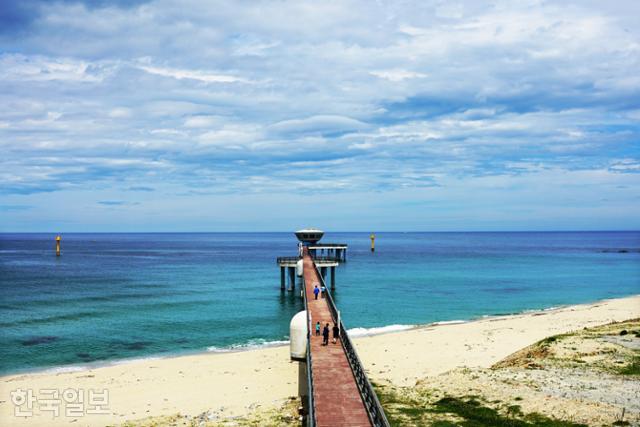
[[325, 335], [336, 333], [318, 329], [323, 290], [316, 291]]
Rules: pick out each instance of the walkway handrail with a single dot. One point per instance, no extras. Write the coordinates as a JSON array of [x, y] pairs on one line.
[[327, 258], [287, 259], [283, 259], [368, 395], [311, 409]]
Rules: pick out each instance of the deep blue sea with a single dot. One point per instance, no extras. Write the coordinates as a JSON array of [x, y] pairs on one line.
[[111, 297]]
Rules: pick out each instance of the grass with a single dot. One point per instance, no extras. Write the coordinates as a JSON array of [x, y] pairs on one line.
[[632, 368], [549, 340], [417, 408], [589, 349], [475, 414]]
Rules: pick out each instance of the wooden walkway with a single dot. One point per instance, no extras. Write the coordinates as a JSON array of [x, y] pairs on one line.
[[336, 395]]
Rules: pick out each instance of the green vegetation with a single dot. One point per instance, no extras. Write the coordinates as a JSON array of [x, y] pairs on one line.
[[475, 414], [549, 340], [590, 355], [405, 407], [632, 368]]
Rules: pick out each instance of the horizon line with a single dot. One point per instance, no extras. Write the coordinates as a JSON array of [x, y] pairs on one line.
[[339, 231]]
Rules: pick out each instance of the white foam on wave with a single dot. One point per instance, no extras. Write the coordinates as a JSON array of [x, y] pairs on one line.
[[362, 332], [98, 364], [448, 322], [538, 310], [66, 369], [251, 345]]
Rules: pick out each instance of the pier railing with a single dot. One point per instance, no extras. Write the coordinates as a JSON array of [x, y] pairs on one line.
[[330, 245], [311, 408], [368, 395], [293, 259], [327, 259]]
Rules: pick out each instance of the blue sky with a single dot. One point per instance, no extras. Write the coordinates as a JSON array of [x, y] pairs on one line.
[[345, 115]]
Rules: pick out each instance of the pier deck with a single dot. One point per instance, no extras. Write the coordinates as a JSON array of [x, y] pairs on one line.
[[335, 391]]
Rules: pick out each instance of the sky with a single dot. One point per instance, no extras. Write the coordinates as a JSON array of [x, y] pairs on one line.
[[344, 115]]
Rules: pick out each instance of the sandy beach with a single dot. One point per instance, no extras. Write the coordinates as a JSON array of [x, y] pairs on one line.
[[228, 384]]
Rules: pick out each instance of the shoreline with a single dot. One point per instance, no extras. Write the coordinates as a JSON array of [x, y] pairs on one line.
[[354, 333], [224, 385]]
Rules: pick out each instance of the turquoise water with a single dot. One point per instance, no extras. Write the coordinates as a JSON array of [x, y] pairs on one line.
[[119, 296]]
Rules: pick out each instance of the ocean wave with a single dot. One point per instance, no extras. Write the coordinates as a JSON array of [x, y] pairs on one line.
[[251, 345], [96, 364], [448, 322], [66, 369], [363, 332], [552, 308]]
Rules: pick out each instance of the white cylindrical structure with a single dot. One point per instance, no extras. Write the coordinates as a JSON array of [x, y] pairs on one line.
[[300, 268], [298, 333], [309, 236]]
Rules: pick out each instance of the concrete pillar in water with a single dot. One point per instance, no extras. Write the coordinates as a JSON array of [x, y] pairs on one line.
[[292, 278], [282, 278], [333, 277], [58, 238], [323, 272]]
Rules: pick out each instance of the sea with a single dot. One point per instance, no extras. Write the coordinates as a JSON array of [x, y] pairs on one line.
[[110, 298]]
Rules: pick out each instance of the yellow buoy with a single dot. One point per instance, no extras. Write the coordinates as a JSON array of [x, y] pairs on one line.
[[373, 242], [58, 238]]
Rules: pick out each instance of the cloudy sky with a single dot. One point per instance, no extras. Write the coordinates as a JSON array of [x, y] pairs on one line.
[[347, 115]]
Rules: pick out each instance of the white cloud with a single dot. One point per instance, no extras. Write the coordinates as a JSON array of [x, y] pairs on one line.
[[320, 123], [232, 97], [397, 75], [167, 132], [626, 165], [361, 146], [230, 136], [20, 67], [120, 113], [199, 75], [201, 121]]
